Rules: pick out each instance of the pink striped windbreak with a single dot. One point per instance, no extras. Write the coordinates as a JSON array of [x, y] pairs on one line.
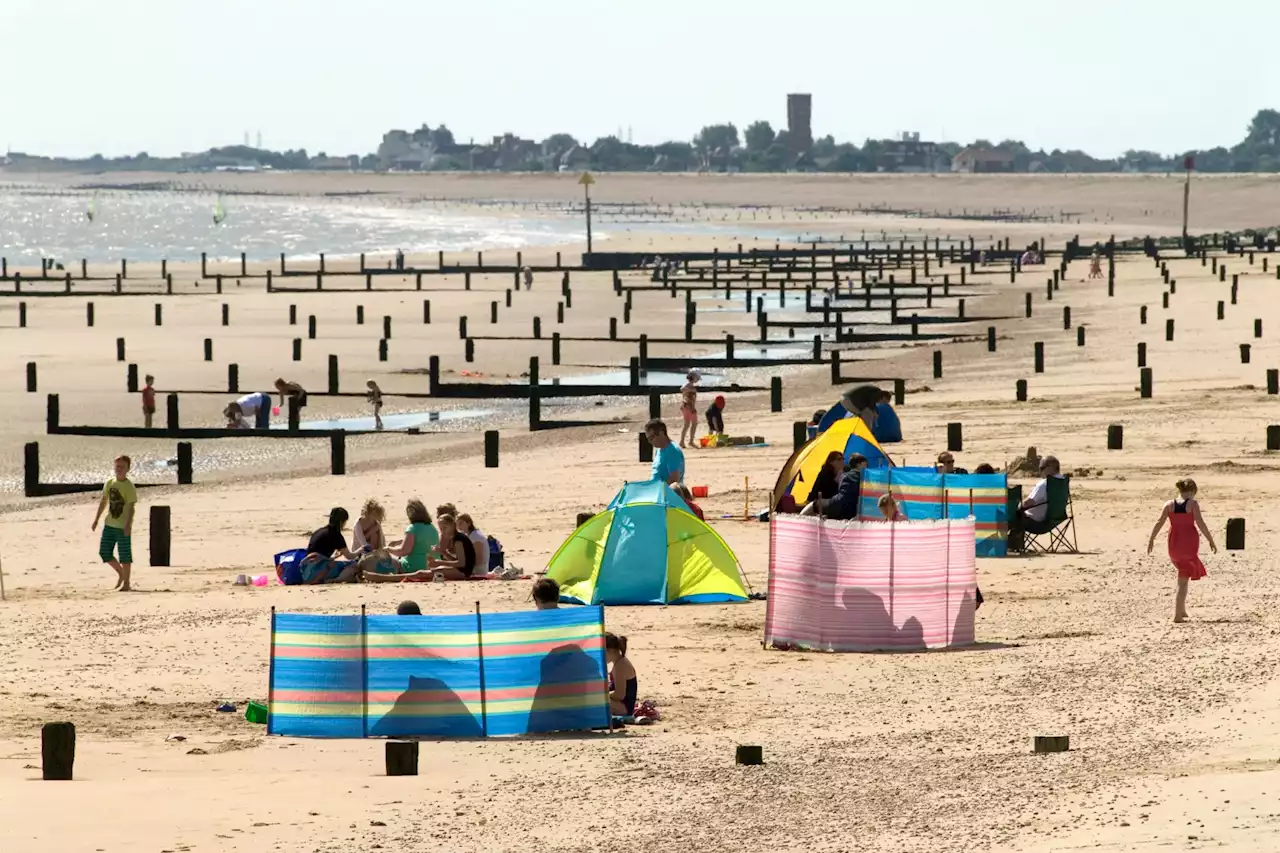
[[862, 586]]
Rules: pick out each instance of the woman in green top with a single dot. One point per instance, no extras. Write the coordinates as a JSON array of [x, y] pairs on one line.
[[408, 556], [419, 538]]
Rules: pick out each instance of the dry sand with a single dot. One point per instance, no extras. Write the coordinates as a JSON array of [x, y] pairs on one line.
[[1174, 728]]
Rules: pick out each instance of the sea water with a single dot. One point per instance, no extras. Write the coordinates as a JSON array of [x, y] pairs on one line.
[[150, 226]]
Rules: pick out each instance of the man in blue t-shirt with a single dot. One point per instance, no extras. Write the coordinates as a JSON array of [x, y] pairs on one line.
[[668, 460]]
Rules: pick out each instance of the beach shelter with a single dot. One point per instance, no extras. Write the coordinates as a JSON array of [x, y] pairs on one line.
[[646, 548], [849, 436], [888, 428]]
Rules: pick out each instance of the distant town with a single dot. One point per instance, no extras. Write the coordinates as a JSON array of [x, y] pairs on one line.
[[758, 147]]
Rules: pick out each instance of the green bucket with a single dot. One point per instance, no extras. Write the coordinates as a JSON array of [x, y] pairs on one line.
[[256, 713]]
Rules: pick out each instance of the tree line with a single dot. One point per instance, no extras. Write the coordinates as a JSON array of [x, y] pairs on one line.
[[718, 147]]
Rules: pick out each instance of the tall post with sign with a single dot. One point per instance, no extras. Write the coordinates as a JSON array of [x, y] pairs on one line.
[[586, 180]]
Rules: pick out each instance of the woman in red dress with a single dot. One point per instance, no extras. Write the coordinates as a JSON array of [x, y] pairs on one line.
[[1183, 515]]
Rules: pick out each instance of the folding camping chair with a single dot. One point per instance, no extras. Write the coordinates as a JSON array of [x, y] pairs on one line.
[[1058, 526]]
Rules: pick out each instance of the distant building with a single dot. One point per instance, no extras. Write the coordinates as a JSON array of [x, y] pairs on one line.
[[799, 123], [333, 164], [910, 154], [974, 159], [400, 150], [575, 159], [513, 153]]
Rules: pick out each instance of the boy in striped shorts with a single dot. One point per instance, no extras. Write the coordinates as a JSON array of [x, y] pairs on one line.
[[119, 499]]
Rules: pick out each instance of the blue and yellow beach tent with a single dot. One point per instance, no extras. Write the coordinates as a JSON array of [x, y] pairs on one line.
[[849, 436], [646, 548]]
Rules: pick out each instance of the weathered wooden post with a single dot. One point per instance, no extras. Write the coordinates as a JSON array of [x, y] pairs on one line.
[[57, 751], [159, 550]]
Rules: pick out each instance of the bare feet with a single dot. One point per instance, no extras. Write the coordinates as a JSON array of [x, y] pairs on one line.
[[124, 579], [1181, 617]]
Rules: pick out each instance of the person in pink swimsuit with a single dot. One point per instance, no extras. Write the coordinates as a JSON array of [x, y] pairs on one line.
[[1183, 515]]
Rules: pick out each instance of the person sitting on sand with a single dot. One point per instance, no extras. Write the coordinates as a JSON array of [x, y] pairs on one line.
[[374, 396], [293, 391], [1183, 515], [458, 560], [420, 536], [889, 508], [683, 491], [947, 464], [984, 468], [408, 608], [827, 483], [367, 534], [584, 517], [689, 408], [407, 558], [479, 541], [623, 685], [546, 594], [320, 565], [844, 506]]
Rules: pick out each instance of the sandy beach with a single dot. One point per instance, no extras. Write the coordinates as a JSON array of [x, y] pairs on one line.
[[1174, 728]]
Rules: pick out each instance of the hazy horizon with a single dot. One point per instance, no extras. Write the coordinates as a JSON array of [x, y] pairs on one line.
[[119, 78]]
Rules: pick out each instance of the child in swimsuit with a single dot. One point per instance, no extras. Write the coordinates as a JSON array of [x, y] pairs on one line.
[[374, 396], [622, 677], [1183, 515], [689, 408]]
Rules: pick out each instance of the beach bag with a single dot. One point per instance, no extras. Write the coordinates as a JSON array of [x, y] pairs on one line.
[[289, 566], [495, 554]]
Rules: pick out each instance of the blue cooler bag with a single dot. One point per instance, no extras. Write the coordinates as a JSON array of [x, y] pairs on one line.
[[288, 566]]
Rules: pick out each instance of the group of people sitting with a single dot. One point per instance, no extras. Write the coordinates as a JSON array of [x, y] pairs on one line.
[[837, 492], [457, 550]]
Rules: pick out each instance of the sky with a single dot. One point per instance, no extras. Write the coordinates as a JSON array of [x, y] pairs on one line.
[[116, 77]]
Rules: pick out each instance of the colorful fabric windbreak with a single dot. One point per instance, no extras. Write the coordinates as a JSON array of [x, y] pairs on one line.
[[479, 675], [861, 586], [924, 495]]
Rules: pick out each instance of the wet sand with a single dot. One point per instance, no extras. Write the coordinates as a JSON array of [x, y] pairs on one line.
[[1172, 726]]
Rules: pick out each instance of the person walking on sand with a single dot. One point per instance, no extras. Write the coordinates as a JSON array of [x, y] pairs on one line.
[[689, 408], [1183, 515], [1095, 264], [119, 500], [374, 396], [528, 278]]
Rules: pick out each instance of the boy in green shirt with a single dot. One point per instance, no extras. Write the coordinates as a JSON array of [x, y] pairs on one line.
[[119, 499]]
